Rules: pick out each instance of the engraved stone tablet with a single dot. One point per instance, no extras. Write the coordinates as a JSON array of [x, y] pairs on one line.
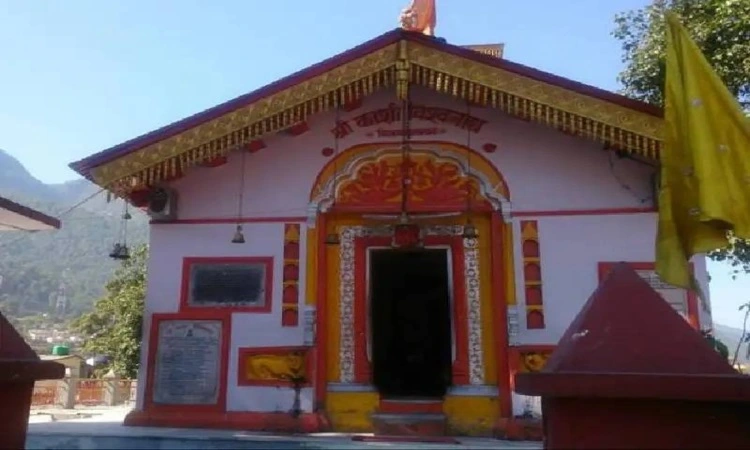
[[188, 359]]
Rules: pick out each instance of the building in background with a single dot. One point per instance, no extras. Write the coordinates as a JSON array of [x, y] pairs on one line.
[[382, 239], [16, 217]]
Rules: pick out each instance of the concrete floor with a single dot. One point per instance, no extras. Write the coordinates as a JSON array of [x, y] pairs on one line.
[[101, 428]]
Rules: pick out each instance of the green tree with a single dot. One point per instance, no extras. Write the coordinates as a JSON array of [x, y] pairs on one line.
[[113, 328], [721, 28]]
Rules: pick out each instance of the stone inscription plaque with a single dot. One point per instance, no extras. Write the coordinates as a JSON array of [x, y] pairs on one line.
[[188, 360]]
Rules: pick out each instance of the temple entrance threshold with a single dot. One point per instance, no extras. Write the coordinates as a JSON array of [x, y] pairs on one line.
[[410, 312]]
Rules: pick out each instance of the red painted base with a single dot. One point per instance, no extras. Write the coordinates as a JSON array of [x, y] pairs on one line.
[[248, 421], [645, 423], [14, 414]]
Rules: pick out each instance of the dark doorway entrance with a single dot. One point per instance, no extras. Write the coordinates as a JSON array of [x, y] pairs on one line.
[[411, 322]]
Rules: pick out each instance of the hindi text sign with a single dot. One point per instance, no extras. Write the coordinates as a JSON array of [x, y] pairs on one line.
[[188, 361]]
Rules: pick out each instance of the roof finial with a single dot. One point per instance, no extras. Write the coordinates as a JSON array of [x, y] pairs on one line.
[[419, 16]]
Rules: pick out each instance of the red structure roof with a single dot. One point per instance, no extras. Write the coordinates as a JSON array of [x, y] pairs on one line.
[[85, 165], [16, 217], [627, 327]]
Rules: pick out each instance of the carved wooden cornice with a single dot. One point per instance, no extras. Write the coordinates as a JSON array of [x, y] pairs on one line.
[[610, 123], [274, 113], [396, 65]]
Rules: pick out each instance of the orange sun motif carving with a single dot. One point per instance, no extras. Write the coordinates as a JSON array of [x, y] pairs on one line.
[[430, 184]]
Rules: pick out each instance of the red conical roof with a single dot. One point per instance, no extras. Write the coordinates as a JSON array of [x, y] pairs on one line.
[[12, 345], [627, 327]]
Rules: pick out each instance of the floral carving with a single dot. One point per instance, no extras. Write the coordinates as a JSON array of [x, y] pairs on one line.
[[429, 182], [533, 361], [473, 302]]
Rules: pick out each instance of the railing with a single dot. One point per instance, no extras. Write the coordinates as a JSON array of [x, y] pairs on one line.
[[90, 392], [71, 392], [44, 395]]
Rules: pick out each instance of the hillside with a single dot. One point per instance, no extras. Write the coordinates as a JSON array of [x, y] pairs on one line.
[[731, 337], [36, 268]]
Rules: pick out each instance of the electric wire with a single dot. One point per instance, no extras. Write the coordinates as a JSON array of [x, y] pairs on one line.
[[625, 186], [59, 216]]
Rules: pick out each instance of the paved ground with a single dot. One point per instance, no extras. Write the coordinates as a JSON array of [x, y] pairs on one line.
[[101, 428]]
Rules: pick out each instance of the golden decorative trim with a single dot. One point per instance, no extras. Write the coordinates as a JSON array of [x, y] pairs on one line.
[[402, 71], [569, 111], [494, 50], [274, 113], [398, 65]]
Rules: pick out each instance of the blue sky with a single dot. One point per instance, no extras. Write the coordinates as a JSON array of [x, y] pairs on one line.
[[81, 75]]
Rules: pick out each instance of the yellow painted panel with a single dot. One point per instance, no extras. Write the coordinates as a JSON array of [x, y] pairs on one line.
[[351, 411], [471, 416]]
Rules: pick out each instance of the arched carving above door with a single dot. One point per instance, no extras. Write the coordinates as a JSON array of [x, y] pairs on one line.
[[368, 178]]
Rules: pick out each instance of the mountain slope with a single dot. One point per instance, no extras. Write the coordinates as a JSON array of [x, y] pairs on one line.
[[731, 337], [38, 268], [15, 179]]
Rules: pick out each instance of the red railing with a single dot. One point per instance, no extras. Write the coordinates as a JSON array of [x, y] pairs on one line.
[[45, 395], [91, 392], [88, 392]]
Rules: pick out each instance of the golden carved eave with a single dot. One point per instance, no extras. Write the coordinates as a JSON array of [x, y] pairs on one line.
[[274, 113], [394, 66], [623, 128]]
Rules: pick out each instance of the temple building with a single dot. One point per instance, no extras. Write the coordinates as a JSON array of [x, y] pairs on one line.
[[383, 239]]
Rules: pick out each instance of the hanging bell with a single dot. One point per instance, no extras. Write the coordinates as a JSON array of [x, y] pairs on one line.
[[124, 252], [239, 237], [332, 239], [126, 215], [120, 252], [470, 231], [115, 253]]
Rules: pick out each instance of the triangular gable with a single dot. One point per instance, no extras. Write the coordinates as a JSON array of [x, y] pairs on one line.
[[395, 59]]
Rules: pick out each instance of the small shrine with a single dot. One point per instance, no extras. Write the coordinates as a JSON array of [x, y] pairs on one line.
[[631, 373]]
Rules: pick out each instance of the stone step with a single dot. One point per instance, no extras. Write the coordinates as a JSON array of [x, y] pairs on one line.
[[409, 424], [414, 405]]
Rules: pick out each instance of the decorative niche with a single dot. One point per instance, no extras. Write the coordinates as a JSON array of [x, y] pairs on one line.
[[244, 283]]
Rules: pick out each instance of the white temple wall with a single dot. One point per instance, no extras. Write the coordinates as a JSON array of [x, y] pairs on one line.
[[170, 243], [571, 247]]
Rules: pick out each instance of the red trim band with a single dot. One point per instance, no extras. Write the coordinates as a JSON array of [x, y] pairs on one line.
[[230, 220], [584, 212]]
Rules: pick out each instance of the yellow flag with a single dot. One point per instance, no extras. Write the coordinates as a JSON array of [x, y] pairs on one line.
[[705, 161]]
